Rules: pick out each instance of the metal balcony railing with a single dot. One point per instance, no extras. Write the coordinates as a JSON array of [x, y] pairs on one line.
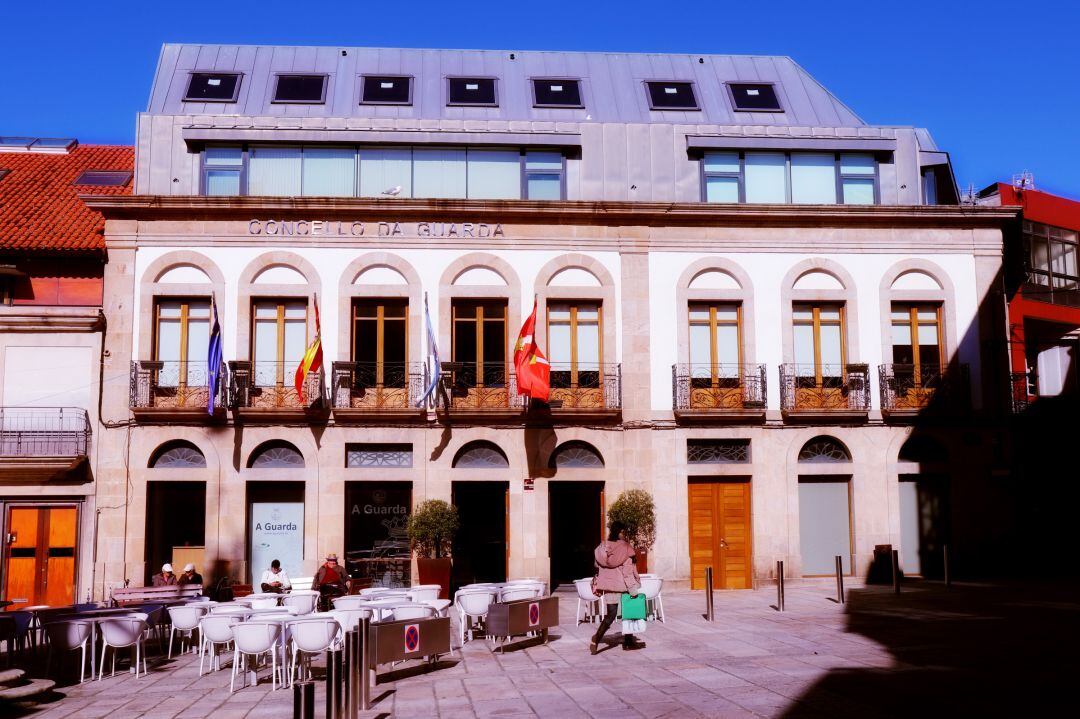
[[44, 432], [377, 386], [175, 385], [271, 386], [586, 386], [1024, 389], [904, 389], [472, 387], [718, 388], [824, 388]]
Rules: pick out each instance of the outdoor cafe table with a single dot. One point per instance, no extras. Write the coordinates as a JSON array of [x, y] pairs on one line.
[[285, 621], [94, 617]]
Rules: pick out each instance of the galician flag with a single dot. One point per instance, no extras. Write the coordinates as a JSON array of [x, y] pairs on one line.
[[533, 370], [313, 358], [213, 357]]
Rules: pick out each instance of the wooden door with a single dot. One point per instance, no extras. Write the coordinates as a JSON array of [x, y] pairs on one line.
[[39, 556], [720, 532]]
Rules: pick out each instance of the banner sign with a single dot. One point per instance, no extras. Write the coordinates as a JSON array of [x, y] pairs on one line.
[[277, 532]]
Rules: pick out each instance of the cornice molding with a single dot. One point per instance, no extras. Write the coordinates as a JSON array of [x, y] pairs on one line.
[[35, 318]]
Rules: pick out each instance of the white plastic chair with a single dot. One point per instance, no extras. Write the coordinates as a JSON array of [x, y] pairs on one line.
[[309, 638], [254, 639], [350, 618], [592, 602], [521, 591], [67, 636], [472, 605], [230, 609], [303, 601], [409, 610], [651, 587], [121, 633], [264, 602], [302, 583], [420, 594], [215, 631], [185, 619], [353, 601]]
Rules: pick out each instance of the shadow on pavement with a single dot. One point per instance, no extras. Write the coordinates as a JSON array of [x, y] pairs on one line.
[[972, 650]]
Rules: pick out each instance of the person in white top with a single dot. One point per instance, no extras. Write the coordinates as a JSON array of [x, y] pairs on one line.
[[275, 579]]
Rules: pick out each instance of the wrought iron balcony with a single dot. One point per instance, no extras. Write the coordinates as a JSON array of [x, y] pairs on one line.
[[267, 390], [718, 391], [377, 389], [488, 388], [907, 391], [810, 391], [38, 443], [1023, 385], [586, 388], [172, 389]]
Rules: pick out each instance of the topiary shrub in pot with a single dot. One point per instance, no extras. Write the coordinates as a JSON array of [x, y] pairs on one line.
[[431, 530], [637, 512]]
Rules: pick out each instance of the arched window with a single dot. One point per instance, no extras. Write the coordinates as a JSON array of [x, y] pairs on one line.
[[925, 450], [178, 454], [824, 449], [276, 454], [480, 455], [576, 455]]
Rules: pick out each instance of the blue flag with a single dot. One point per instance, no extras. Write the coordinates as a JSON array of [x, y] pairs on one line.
[[213, 358], [433, 358]]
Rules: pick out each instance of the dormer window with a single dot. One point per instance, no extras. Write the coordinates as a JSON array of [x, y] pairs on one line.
[[103, 178], [476, 91], [672, 96], [754, 97], [301, 89], [213, 87], [556, 93], [386, 90]]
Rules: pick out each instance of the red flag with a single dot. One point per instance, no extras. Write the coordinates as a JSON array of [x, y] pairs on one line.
[[525, 341], [312, 361], [533, 370]]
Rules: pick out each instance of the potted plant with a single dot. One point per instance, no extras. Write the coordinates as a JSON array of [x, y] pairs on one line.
[[637, 512], [431, 530]]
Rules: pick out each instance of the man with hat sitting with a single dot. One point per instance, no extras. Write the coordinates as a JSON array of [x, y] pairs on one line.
[[330, 580], [190, 576], [165, 578]]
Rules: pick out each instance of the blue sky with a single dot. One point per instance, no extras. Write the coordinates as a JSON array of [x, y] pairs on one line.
[[997, 83]]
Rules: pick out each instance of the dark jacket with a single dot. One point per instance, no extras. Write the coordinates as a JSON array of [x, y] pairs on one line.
[[195, 578], [160, 580]]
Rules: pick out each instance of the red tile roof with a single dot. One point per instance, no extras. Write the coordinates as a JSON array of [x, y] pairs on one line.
[[40, 207]]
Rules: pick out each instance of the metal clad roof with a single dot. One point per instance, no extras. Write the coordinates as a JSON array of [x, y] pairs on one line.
[[612, 84]]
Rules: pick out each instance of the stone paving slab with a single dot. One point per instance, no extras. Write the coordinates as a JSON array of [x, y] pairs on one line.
[[877, 655]]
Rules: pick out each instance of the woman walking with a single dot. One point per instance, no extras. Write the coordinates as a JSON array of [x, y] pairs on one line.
[[615, 574]]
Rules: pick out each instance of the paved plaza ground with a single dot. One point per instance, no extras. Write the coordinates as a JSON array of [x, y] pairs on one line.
[[970, 650]]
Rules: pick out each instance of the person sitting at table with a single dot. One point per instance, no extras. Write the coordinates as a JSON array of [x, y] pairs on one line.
[[275, 580], [165, 578], [190, 576], [330, 580]]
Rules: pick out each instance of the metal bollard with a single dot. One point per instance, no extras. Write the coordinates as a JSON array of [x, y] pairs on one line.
[[945, 558], [896, 570], [364, 664], [352, 673], [333, 684], [303, 700], [839, 579], [780, 585], [708, 594]]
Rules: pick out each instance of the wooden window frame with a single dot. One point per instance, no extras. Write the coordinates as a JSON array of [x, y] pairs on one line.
[[478, 319], [280, 302], [380, 304], [713, 323], [574, 305], [913, 323], [817, 323], [185, 312]]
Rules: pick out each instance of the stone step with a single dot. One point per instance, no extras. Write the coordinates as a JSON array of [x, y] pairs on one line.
[[31, 688], [8, 676]]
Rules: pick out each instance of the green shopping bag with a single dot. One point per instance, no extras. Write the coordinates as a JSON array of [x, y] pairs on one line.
[[633, 607]]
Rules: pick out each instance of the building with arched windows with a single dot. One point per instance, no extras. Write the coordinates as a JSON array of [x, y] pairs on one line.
[[750, 299]]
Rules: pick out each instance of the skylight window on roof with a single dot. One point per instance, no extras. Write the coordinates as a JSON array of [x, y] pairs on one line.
[[213, 87], [556, 93], [672, 96], [472, 91], [754, 97], [58, 145], [306, 89], [103, 178], [386, 90], [4, 172]]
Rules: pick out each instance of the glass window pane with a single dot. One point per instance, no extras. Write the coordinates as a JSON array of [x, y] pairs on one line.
[[494, 341], [588, 346], [198, 343], [727, 345], [199, 309], [700, 341], [295, 310], [927, 314], [813, 178], [928, 335], [216, 156], [766, 177], [901, 313], [1039, 255], [829, 314], [858, 192], [727, 313], [439, 172], [804, 314], [168, 340], [543, 161], [223, 183], [266, 310], [295, 343], [385, 169], [830, 345], [699, 313], [169, 309], [274, 171], [394, 341], [721, 189], [722, 162], [929, 358], [559, 337], [559, 311], [329, 172], [586, 313], [494, 174], [544, 186], [265, 352], [901, 335], [852, 163], [365, 341], [804, 345]]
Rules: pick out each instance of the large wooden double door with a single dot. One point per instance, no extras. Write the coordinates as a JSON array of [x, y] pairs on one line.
[[39, 555], [720, 532]]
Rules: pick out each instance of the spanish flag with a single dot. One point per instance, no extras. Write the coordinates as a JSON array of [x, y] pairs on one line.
[[312, 361]]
